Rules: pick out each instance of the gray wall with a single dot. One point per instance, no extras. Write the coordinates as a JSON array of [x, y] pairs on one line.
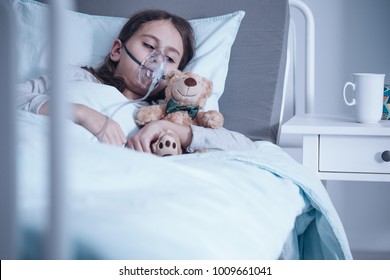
[[353, 36]]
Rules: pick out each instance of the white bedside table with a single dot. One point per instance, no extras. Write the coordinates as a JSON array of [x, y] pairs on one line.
[[338, 148]]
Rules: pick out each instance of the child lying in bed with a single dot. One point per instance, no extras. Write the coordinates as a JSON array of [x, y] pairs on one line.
[[151, 42]]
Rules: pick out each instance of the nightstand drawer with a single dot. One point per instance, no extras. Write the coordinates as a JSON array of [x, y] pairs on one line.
[[353, 154]]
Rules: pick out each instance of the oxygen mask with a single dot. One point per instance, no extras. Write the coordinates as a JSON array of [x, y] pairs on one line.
[[151, 69]]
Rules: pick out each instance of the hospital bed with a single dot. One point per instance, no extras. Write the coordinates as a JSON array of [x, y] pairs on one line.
[[76, 198]]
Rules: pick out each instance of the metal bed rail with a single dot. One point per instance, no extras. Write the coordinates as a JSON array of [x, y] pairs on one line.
[[8, 215], [57, 244]]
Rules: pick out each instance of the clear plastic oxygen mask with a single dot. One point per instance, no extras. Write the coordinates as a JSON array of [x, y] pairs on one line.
[[151, 69]]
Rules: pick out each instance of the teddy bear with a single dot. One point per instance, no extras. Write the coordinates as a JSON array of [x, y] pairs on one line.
[[185, 97]]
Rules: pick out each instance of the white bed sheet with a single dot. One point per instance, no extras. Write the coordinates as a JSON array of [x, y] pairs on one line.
[[219, 205]]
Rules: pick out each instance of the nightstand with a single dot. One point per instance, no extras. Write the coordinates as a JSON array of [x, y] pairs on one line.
[[338, 148]]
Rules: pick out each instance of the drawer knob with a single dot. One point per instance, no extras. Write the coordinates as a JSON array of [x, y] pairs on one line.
[[386, 156]]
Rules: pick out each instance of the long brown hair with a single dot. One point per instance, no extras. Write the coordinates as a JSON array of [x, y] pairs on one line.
[[105, 73]]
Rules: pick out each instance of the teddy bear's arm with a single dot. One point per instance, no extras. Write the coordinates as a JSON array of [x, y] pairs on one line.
[[151, 113], [211, 119]]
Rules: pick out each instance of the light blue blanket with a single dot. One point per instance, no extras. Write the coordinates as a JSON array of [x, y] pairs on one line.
[[258, 204], [320, 234]]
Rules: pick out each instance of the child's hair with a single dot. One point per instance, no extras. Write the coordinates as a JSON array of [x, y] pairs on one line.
[[105, 73]]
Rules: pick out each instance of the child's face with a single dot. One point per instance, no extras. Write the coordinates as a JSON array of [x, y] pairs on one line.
[[160, 35]]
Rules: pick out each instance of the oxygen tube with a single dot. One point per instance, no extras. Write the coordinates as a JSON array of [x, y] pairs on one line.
[[150, 72]]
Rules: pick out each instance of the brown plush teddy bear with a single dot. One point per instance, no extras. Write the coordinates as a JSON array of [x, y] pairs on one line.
[[185, 97]]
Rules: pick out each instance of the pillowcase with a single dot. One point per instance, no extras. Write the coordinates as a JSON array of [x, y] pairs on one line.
[[92, 36]]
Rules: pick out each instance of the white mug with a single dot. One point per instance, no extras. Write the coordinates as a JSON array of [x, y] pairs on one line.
[[368, 96]]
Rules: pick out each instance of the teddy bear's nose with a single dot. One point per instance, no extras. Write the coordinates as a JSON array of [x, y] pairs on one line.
[[190, 82]]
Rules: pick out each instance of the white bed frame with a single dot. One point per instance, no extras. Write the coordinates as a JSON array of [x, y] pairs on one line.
[[57, 222]]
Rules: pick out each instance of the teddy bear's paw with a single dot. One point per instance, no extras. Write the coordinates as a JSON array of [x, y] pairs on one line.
[[147, 115], [141, 118], [213, 119], [166, 145]]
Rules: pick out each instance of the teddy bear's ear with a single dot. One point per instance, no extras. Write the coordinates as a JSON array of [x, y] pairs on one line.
[[172, 74], [170, 80]]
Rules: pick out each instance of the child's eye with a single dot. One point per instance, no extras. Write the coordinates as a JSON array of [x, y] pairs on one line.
[[149, 46], [169, 59]]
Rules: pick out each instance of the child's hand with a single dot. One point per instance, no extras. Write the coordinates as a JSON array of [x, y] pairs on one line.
[[143, 140], [106, 130], [111, 133]]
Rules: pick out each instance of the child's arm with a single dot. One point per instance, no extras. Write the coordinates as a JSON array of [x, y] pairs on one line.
[[149, 134], [192, 138], [96, 123], [34, 95], [218, 139]]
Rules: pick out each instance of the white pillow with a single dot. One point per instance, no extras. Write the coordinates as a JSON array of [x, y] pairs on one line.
[[92, 37]]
